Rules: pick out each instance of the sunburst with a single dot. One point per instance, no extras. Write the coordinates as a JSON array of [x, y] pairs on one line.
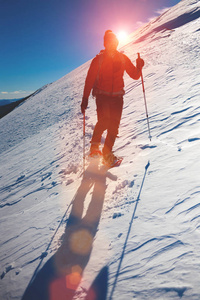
[[122, 36]]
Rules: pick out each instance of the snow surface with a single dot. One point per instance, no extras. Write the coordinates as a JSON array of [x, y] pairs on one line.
[[141, 222]]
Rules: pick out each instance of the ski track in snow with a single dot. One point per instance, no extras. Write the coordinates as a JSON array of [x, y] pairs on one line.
[[41, 173]]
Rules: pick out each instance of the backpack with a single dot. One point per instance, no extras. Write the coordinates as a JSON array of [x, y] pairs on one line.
[[100, 61]]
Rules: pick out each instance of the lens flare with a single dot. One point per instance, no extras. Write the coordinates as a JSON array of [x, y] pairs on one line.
[[81, 242], [73, 279]]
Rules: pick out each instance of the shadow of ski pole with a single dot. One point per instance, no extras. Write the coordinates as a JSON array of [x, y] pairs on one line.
[[129, 230]]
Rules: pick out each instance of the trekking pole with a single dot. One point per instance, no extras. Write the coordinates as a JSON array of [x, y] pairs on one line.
[[84, 141], [145, 102]]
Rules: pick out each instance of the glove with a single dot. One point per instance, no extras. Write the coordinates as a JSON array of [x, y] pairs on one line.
[[139, 63], [84, 104]]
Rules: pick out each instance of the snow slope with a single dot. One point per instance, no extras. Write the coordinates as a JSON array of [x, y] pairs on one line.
[[141, 224]]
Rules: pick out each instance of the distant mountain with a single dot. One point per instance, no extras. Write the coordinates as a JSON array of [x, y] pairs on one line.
[[7, 105], [8, 101]]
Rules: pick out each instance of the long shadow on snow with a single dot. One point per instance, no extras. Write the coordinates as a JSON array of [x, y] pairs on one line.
[[60, 276]]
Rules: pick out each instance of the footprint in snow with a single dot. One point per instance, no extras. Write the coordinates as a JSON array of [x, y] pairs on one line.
[[21, 178], [7, 269], [69, 170], [121, 186], [143, 147], [69, 181], [117, 215], [45, 176]]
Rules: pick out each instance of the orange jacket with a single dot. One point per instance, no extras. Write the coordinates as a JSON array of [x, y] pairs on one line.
[[105, 75]]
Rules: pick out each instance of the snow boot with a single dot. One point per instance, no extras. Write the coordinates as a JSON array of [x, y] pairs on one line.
[[94, 151]]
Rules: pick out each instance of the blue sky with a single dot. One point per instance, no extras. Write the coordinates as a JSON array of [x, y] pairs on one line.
[[42, 40]]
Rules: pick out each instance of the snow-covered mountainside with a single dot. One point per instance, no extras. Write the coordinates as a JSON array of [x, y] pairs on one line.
[[136, 227]]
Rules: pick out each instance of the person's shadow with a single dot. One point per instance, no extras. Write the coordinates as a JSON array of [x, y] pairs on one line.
[[60, 276]]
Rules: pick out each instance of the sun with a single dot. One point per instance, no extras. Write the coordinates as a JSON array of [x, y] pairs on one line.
[[122, 36]]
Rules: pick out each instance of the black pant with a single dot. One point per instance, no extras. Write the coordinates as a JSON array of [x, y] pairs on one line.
[[109, 111]]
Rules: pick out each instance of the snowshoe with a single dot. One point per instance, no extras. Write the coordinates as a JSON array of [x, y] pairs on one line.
[[111, 161]]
